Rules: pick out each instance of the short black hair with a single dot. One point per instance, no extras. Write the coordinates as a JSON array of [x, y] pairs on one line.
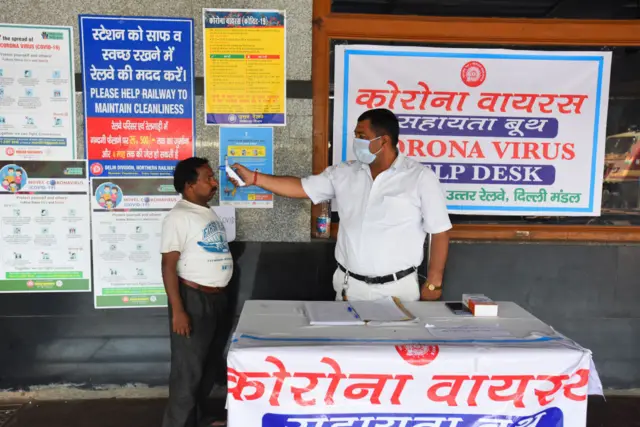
[[186, 172], [383, 122]]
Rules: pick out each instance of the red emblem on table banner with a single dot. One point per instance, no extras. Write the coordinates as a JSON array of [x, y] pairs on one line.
[[418, 354], [473, 74]]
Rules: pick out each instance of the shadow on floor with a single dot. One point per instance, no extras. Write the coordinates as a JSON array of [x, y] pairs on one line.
[[614, 412]]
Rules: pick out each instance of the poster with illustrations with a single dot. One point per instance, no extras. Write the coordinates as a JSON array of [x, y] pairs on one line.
[[44, 227], [126, 215], [37, 95], [251, 147], [126, 218]]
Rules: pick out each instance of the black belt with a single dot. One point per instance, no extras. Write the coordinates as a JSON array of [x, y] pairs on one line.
[[205, 289], [380, 280]]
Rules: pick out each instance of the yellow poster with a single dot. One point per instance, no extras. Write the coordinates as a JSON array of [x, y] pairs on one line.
[[245, 67]]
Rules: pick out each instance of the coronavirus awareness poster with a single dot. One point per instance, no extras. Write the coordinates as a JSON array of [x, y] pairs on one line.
[[506, 132], [138, 94]]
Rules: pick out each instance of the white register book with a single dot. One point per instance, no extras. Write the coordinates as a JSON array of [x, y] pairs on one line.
[[385, 311]]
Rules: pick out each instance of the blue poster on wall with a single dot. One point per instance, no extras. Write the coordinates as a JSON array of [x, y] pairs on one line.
[[138, 94], [251, 147]]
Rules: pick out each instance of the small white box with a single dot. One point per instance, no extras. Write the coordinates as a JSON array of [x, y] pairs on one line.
[[480, 305]]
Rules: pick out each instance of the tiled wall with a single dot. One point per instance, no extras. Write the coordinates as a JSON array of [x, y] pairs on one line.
[[289, 220]]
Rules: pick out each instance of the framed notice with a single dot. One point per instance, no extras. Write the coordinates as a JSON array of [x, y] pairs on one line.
[[126, 217], [44, 227], [138, 94], [506, 132], [37, 96], [245, 67], [252, 147]]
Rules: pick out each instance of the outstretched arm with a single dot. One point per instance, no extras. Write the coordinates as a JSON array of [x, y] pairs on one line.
[[317, 187]]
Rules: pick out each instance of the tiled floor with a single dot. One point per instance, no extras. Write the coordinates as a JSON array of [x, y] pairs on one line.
[[615, 412], [7, 412]]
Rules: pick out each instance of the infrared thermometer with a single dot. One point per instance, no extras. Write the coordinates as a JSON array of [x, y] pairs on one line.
[[232, 174]]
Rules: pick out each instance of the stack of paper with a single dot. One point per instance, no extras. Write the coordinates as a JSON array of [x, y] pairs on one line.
[[386, 311], [331, 313]]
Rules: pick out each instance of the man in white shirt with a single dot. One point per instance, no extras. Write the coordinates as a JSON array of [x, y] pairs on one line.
[[196, 268], [387, 204]]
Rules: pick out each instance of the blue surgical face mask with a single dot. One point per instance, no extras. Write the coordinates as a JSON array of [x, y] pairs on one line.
[[362, 152]]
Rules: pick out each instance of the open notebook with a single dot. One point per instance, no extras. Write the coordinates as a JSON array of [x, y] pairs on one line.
[[386, 311]]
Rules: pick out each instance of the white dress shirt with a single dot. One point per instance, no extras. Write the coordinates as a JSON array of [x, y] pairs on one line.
[[383, 222]]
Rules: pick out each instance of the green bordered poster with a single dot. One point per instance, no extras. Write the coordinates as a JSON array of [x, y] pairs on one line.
[[44, 227], [37, 96], [126, 217]]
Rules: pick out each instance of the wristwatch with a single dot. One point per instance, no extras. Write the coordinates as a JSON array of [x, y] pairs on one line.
[[433, 287]]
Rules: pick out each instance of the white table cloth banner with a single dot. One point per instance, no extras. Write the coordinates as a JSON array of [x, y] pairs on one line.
[[512, 371]]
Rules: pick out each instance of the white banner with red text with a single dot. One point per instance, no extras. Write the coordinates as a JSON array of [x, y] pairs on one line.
[[506, 132], [408, 385]]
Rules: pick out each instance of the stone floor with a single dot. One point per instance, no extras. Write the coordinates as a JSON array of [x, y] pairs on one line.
[[614, 412]]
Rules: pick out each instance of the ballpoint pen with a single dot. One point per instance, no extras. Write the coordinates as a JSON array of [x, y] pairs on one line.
[[353, 311]]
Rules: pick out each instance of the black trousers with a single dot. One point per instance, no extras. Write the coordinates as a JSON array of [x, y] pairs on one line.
[[196, 361]]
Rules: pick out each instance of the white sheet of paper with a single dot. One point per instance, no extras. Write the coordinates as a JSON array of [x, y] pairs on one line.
[[228, 216], [382, 310]]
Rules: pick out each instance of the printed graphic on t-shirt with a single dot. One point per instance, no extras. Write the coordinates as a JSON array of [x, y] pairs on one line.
[[214, 238]]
